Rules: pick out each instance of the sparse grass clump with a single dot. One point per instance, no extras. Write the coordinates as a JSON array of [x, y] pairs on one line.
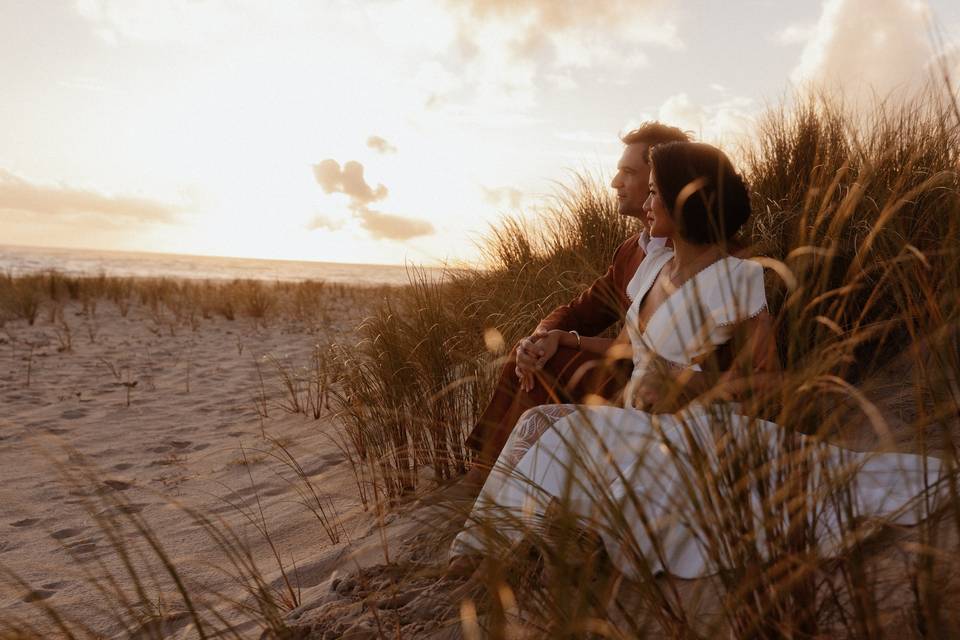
[[172, 304]]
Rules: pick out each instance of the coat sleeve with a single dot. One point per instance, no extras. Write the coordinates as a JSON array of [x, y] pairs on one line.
[[601, 304]]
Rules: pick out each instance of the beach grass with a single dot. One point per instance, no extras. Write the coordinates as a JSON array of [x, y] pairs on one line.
[[859, 219]]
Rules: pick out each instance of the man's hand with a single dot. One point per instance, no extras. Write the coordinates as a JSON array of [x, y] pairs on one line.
[[528, 355]]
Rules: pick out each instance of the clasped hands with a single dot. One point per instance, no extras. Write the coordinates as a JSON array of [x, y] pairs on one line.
[[533, 352], [660, 389]]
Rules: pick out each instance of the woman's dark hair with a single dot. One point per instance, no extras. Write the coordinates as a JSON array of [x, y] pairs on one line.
[[700, 188]]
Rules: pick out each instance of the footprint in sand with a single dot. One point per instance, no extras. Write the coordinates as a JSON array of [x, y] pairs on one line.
[[123, 466], [159, 449], [122, 509], [26, 522], [56, 431], [66, 533], [83, 547], [73, 414], [179, 444], [6, 545], [201, 447], [332, 459], [38, 594], [55, 585], [117, 485]]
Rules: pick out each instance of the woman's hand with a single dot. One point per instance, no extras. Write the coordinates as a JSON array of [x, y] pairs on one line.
[[659, 390]]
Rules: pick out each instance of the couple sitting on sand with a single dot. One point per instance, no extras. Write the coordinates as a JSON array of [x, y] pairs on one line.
[[698, 347]]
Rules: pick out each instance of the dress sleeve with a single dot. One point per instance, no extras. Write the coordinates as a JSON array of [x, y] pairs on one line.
[[740, 292]]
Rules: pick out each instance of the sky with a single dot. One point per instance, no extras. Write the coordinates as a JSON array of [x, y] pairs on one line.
[[390, 131]]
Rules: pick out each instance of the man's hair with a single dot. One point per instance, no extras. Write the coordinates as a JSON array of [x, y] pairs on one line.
[[701, 189], [652, 133]]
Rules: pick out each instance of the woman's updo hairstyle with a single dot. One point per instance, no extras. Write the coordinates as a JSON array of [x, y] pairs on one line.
[[704, 194]]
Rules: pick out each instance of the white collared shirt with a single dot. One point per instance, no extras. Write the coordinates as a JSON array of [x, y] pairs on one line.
[[649, 245]]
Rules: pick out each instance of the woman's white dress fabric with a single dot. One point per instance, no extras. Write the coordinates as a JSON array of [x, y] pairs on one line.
[[654, 487]]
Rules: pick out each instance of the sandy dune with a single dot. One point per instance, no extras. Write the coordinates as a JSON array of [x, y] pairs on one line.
[[190, 434]]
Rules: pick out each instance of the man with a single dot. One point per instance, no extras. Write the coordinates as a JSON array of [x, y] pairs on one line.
[[529, 379]]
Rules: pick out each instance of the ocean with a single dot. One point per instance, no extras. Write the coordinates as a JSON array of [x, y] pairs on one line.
[[18, 260]]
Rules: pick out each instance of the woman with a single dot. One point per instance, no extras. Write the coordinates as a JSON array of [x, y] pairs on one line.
[[652, 478]]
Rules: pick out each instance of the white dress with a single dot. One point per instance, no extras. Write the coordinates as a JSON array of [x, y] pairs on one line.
[[655, 486]]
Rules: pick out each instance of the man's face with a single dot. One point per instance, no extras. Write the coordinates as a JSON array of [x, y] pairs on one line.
[[631, 180]]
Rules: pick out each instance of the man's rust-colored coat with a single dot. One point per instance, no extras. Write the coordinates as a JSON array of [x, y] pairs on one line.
[[570, 375]]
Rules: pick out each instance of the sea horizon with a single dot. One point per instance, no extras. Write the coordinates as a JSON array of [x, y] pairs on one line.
[[23, 259]]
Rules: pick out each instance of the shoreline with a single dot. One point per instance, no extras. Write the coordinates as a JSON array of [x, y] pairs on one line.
[[83, 263]]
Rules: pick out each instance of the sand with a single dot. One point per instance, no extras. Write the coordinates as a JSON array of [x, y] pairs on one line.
[[189, 436]]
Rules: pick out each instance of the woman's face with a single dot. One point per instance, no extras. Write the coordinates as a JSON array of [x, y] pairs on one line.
[[659, 221]]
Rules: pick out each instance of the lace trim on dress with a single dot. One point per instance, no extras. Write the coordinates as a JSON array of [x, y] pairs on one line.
[[744, 318], [531, 425]]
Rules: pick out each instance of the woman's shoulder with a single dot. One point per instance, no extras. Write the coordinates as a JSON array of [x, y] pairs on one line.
[[738, 292]]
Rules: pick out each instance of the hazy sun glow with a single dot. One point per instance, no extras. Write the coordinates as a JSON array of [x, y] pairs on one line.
[[198, 126]]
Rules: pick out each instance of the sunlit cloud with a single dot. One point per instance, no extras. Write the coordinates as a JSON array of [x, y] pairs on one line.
[[493, 57], [349, 181], [794, 34], [502, 196], [867, 47], [722, 123], [320, 221], [380, 145], [561, 34], [587, 137], [18, 194], [644, 21], [388, 226]]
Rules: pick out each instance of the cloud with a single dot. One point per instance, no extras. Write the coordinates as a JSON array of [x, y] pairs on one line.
[[380, 145], [566, 33], [553, 16], [321, 221], [189, 22], [392, 227], [170, 21], [588, 137], [722, 123], [794, 34], [18, 194], [867, 46], [348, 180], [503, 196]]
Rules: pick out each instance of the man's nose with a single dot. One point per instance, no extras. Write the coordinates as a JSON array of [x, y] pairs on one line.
[[615, 181]]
